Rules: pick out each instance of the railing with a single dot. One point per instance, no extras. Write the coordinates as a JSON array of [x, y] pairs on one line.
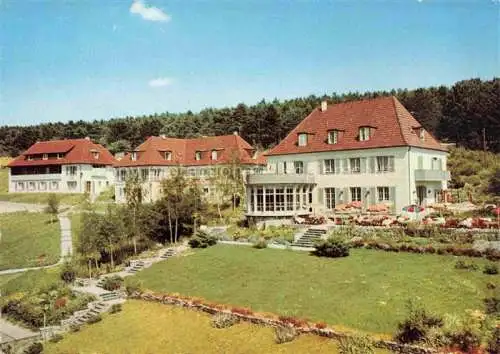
[[273, 178], [432, 175], [39, 177]]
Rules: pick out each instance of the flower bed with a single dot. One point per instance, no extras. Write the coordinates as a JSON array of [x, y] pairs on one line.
[[272, 320]]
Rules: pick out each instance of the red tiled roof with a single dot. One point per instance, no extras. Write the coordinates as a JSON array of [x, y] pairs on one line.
[[392, 125], [151, 152], [77, 151]]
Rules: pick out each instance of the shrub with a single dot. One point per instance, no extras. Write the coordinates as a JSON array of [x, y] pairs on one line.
[[56, 338], [491, 305], [331, 248], [242, 311], [284, 334], [355, 345], [491, 268], [416, 326], [112, 283], [94, 319], [202, 240], [115, 308], [60, 303], [35, 348], [224, 320], [133, 285], [260, 244], [68, 273], [494, 342], [320, 325], [294, 321]]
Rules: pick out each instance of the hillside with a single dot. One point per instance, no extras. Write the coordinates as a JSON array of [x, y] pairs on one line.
[[461, 113]]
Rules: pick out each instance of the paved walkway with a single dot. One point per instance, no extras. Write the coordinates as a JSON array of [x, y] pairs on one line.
[[10, 332]]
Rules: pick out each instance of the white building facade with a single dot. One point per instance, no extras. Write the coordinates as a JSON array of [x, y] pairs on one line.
[[331, 171], [62, 166]]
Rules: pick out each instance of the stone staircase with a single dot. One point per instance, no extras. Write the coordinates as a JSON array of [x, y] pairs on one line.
[[94, 308], [310, 237], [110, 295], [168, 253], [136, 266]]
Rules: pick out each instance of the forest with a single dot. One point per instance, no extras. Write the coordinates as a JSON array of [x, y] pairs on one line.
[[467, 113]]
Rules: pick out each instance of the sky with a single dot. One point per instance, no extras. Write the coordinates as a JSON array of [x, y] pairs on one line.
[[97, 59]]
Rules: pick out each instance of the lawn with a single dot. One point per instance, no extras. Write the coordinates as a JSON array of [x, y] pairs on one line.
[[28, 281], [367, 291], [28, 240], [144, 327], [40, 198]]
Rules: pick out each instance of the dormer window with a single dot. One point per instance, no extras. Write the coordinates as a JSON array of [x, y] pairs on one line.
[[95, 155], [214, 155], [30, 158], [45, 157], [197, 155], [59, 156], [133, 156], [364, 133], [302, 139], [168, 155], [333, 137]]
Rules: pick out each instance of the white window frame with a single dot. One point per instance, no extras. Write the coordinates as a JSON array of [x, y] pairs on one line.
[[329, 166], [355, 165], [168, 155], [133, 156], [333, 137], [72, 185], [355, 194], [31, 186], [54, 185], [364, 133], [302, 139], [59, 156], [42, 186], [95, 155], [20, 186], [197, 155], [298, 167], [383, 194], [383, 164], [30, 158], [421, 134], [330, 198], [45, 156], [72, 170], [213, 155]]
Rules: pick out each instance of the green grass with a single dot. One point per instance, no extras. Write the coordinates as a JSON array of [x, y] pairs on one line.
[[28, 281], [367, 291], [4, 179], [144, 327], [28, 240], [40, 198]]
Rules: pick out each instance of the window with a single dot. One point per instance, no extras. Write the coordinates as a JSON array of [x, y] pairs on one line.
[[45, 157], [355, 194], [382, 163], [421, 134], [289, 199], [302, 139], [42, 186], [123, 175], [298, 167], [30, 158], [214, 155], [206, 190], [95, 154], [364, 133], [355, 165], [436, 163], [330, 198], [59, 156], [383, 194], [144, 174], [54, 185], [197, 155], [168, 155], [260, 199], [71, 170], [71, 185], [297, 199], [269, 199], [156, 172], [280, 199], [333, 137], [20, 186], [329, 166], [284, 168], [31, 186], [133, 156]]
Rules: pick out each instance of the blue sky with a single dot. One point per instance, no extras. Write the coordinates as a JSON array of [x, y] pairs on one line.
[[97, 59]]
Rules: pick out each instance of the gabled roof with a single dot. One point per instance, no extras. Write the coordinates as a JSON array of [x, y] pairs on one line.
[[76, 151], [392, 125], [228, 147]]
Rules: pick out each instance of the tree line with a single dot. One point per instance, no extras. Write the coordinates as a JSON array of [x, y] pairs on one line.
[[467, 113]]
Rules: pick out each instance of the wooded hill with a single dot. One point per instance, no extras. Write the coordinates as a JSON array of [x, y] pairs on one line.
[[467, 113]]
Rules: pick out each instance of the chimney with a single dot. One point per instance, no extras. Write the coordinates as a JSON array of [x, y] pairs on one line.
[[235, 132], [324, 105]]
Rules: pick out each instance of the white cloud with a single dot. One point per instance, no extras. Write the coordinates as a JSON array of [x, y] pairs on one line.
[[148, 13], [160, 82]]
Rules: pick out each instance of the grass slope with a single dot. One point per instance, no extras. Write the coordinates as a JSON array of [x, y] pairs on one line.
[[367, 290], [28, 281], [28, 240], [144, 327]]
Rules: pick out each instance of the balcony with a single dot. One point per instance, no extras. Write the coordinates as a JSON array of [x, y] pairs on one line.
[[273, 178], [432, 175], [39, 177]]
